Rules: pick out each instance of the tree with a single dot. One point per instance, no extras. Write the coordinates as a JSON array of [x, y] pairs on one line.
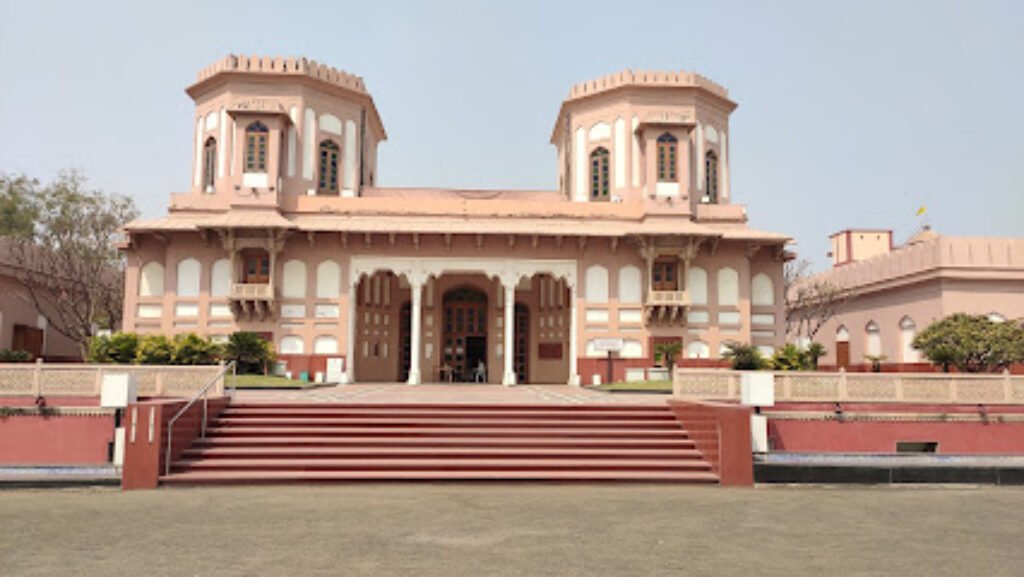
[[68, 261], [250, 352], [667, 352], [810, 302], [745, 357], [972, 343]]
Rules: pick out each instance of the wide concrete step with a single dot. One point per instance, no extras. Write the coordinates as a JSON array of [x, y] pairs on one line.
[[441, 464], [450, 422], [404, 413], [467, 442], [435, 431], [219, 453], [281, 477]]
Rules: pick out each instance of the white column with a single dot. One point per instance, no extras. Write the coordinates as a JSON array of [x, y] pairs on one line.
[[510, 303], [350, 342], [416, 287], [574, 372]]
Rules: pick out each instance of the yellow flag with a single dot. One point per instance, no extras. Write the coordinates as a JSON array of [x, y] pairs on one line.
[[920, 211]]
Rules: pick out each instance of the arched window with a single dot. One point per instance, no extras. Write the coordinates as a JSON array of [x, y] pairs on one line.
[[728, 287], [711, 176], [667, 158], [188, 278], [151, 280], [698, 350], [328, 182], [596, 289], [697, 286], [762, 293], [599, 181], [209, 163], [256, 147], [629, 285], [908, 330], [874, 339]]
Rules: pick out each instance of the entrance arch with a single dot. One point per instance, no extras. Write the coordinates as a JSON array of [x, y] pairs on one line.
[[464, 332]]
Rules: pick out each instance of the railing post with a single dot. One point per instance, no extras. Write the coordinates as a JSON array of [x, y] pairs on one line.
[[159, 382], [898, 385], [843, 393], [99, 381], [37, 379], [1007, 387], [954, 391]]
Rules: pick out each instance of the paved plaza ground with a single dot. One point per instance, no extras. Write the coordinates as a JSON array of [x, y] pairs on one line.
[[504, 529]]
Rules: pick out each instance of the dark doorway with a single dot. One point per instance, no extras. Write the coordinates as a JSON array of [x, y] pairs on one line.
[[843, 354], [522, 344], [404, 342], [476, 352], [465, 329]]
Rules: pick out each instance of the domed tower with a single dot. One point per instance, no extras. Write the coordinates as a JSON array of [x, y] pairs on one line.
[[657, 138], [267, 128]]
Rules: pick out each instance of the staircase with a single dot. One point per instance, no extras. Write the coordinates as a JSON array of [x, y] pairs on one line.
[[300, 443]]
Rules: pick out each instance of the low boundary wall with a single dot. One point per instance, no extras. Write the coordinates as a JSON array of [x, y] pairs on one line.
[[721, 432], [79, 380]]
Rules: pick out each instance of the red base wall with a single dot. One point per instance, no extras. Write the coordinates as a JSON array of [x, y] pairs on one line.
[[55, 440], [311, 364], [881, 437]]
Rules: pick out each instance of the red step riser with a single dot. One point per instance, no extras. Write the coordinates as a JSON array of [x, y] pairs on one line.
[[622, 445], [446, 466], [474, 434], [449, 423], [471, 454], [381, 414]]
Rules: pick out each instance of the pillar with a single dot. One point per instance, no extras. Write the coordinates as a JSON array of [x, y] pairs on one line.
[[350, 341], [509, 377], [416, 339], [574, 373]]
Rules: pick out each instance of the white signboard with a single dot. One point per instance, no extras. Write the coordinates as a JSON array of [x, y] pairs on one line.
[[608, 345], [335, 369]]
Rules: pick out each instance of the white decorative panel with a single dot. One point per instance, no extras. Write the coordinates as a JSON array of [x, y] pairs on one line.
[[326, 311], [150, 311], [223, 143], [198, 172], [579, 166], [325, 345], [255, 180], [729, 318], [600, 131], [635, 152], [330, 123], [220, 310], [666, 189], [842, 335], [308, 143], [698, 350], [762, 319], [697, 286], [186, 310], [697, 317], [188, 278], [349, 175], [710, 134], [291, 345], [292, 150], [597, 316], [151, 280], [220, 278], [328, 280], [630, 316], [211, 121], [728, 287], [620, 153], [874, 339], [762, 292], [632, 350], [629, 285], [597, 284], [908, 330], [293, 311], [294, 282], [762, 334]]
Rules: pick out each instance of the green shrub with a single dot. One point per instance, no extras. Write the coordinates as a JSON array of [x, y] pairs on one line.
[[251, 353], [789, 358], [119, 348], [192, 349], [14, 356], [745, 357], [155, 350]]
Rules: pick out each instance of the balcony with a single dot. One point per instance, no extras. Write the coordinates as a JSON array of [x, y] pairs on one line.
[[253, 301], [666, 307]]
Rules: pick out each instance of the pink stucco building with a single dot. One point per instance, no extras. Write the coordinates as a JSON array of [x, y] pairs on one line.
[[285, 232], [895, 292]]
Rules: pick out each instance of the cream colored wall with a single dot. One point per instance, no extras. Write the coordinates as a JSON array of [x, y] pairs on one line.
[[16, 308]]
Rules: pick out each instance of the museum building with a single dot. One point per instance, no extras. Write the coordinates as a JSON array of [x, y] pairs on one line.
[[286, 233]]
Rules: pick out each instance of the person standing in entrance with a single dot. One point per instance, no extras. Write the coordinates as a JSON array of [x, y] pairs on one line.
[[480, 374]]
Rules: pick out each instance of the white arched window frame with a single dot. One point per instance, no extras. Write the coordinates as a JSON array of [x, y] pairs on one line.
[[630, 291], [328, 280], [188, 273], [762, 291], [294, 282], [728, 287], [842, 335], [220, 278], [698, 350], [908, 330], [697, 286], [291, 345], [597, 284], [151, 280], [873, 337]]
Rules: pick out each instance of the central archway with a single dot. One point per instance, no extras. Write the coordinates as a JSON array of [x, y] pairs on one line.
[[464, 332]]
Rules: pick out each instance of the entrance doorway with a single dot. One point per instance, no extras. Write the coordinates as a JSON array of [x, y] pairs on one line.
[[465, 332], [404, 342], [522, 344]]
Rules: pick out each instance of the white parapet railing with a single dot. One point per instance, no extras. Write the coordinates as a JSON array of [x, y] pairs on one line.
[[85, 380], [678, 298], [252, 291], [801, 386]]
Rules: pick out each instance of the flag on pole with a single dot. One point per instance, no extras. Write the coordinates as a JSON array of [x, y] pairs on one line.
[[920, 211]]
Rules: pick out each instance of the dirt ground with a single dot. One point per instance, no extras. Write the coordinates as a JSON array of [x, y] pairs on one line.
[[425, 530]]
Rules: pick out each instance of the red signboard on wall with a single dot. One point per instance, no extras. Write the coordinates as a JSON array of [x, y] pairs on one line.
[[549, 351]]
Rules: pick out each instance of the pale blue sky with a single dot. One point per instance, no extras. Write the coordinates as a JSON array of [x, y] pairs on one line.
[[852, 114]]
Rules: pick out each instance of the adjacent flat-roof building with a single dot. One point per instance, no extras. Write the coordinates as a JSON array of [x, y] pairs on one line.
[[894, 293], [285, 232]]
